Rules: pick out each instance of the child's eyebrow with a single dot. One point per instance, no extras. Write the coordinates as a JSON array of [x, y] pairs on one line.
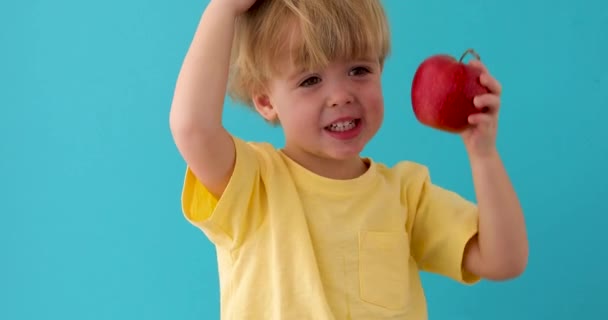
[[295, 73], [366, 60]]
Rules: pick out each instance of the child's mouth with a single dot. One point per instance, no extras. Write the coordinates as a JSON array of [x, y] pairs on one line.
[[345, 130], [343, 126]]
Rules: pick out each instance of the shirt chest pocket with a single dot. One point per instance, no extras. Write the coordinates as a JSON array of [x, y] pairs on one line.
[[383, 268]]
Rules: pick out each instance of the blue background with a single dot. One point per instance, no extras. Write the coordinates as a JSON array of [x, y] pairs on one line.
[[90, 180]]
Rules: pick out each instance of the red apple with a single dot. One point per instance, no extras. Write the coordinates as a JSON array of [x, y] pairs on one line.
[[443, 89]]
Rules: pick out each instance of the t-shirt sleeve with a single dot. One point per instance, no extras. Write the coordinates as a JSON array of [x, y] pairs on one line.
[[226, 221], [440, 223]]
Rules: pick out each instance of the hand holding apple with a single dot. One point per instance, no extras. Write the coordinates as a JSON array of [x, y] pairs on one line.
[[455, 97], [480, 137], [443, 90]]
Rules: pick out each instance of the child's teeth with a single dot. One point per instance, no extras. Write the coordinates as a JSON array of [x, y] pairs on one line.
[[342, 126]]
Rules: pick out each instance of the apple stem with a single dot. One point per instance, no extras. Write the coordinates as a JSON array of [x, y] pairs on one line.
[[472, 52]]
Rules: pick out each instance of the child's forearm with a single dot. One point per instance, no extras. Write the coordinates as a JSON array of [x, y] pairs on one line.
[[201, 85], [503, 244]]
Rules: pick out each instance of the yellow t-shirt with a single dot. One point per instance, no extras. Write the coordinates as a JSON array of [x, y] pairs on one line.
[[295, 245]]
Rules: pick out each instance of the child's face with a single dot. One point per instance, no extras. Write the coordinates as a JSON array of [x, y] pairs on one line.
[[327, 114]]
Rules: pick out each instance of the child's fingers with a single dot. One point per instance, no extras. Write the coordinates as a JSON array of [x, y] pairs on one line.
[[486, 79], [491, 83], [479, 65], [488, 100], [482, 120], [479, 118]]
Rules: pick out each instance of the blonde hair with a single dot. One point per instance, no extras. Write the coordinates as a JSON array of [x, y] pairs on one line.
[[310, 32]]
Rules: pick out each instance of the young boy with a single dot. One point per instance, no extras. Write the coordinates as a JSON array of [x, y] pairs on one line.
[[313, 230]]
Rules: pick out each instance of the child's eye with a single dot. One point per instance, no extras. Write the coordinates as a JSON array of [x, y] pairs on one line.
[[359, 71], [310, 81]]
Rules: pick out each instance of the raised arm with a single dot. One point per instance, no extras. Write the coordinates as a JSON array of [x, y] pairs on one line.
[[197, 107], [500, 251]]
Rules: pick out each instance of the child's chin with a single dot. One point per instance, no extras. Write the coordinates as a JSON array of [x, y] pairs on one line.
[[345, 152]]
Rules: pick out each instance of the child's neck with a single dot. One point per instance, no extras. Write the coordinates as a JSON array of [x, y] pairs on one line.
[[330, 168]]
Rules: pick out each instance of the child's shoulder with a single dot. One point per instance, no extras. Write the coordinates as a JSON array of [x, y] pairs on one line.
[[406, 170], [252, 148], [266, 156]]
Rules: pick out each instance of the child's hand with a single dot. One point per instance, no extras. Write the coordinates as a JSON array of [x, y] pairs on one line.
[[480, 138]]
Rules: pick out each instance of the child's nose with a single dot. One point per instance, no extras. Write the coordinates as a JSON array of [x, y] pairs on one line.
[[340, 95]]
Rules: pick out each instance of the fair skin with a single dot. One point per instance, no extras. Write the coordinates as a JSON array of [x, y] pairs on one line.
[[500, 251], [306, 104]]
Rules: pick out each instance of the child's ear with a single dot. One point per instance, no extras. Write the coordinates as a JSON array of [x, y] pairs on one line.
[[264, 107]]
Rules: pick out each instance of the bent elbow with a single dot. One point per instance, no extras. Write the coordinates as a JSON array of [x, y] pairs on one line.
[[509, 270]]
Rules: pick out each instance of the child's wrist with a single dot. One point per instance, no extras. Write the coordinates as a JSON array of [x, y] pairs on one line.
[[488, 156]]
